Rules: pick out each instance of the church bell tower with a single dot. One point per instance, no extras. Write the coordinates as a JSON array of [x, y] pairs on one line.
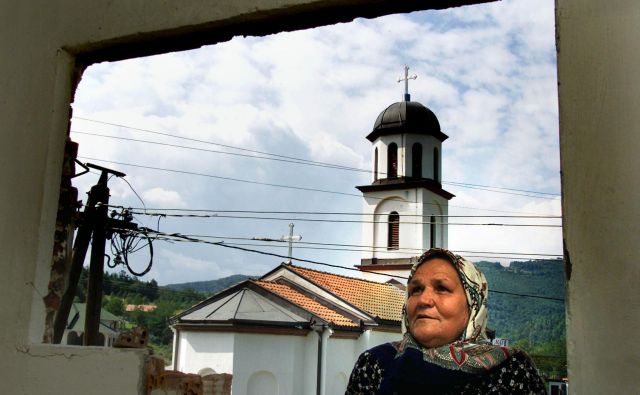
[[405, 208]]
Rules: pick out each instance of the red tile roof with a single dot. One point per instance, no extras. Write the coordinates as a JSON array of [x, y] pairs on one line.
[[307, 303], [378, 299]]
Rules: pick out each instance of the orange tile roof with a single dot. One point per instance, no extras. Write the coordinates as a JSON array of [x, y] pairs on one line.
[[307, 303], [378, 299]]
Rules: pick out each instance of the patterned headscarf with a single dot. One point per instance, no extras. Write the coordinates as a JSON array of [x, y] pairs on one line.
[[472, 352]]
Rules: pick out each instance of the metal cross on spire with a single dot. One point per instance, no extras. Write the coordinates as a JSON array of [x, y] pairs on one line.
[[291, 238], [406, 79]]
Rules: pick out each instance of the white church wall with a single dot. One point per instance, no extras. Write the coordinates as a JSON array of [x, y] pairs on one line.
[[435, 206], [280, 355], [407, 204], [367, 233], [199, 350], [373, 276], [310, 374], [341, 356], [262, 383], [343, 353]]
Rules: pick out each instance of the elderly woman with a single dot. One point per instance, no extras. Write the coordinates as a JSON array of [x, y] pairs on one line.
[[444, 349]]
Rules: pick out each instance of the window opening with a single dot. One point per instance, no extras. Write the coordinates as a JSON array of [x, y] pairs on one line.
[[432, 231], [436, 165], [393, 242], [375, 165], [392, 161]]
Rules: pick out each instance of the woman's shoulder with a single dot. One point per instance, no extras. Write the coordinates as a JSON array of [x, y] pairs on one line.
[[519, 358], [384, 348], [369, 369], [381, 352], [515, 375]]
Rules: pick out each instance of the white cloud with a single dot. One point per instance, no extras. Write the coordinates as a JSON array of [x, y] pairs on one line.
[[163, 198]]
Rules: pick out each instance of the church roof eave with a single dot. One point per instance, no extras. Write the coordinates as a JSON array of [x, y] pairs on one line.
[[386, 131], [392, 184]]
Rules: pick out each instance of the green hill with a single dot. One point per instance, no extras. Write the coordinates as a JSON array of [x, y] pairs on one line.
[[211, 286], [533, 324], [514, 316]]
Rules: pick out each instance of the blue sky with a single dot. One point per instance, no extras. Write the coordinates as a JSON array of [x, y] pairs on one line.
[[487, 71]]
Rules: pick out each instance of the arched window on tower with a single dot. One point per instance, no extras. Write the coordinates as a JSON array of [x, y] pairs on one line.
[[392, 161], [393, 224], [432, 230], [416, 160], [436, 165], [375, 165]]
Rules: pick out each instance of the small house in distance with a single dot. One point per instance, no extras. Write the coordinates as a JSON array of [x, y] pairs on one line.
[[74, 332], [293, 331]]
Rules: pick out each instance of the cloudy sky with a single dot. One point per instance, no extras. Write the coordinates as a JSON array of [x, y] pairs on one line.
[[487, 71]]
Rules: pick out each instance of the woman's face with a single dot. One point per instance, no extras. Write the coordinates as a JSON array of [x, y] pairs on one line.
[[437, 308]]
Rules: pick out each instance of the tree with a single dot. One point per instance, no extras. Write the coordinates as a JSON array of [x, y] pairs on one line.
[[115, 305]]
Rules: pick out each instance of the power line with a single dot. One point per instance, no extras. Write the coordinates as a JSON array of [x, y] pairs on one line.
[[270, 184], [526, 295], [223, 178], [372, 250], [291, 159], [418, 250], [495, 254], [490, 186], [333, 213], [331, 166], [491, 189], [180, 237], [222, 145], [341, 220], [300, 162]]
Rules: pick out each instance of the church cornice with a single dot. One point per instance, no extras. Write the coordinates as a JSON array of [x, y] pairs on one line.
[[390, 130], [399, 183]]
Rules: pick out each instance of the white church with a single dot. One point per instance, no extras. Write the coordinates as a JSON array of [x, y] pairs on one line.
[[300, 331]]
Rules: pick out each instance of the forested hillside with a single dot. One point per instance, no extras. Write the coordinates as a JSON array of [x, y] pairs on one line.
[[121, 289], [534, 324]]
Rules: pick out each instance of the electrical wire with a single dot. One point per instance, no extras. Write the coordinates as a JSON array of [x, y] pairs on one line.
[[408, 250], [181, 237], [408, 254], [277, 185], [294, 159], [342, 220], [126, 241], [220, 144], [336, 213], [532, 194], [134, 191]]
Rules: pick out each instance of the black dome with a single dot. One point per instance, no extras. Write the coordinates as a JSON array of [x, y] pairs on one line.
[[406, 117]]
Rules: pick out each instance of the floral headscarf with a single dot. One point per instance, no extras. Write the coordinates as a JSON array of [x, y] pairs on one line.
[[472, 352]]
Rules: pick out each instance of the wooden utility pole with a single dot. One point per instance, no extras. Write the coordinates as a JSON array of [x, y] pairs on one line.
[[94, 224], [100, 192]]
